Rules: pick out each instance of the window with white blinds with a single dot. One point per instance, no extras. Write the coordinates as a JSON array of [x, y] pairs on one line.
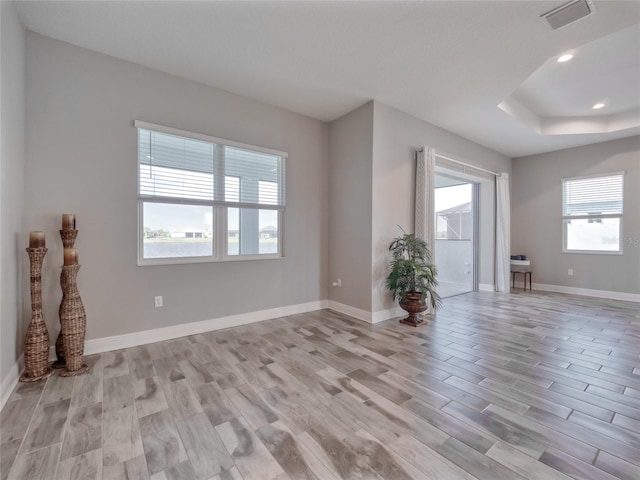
[[205, 199], [592, 209]]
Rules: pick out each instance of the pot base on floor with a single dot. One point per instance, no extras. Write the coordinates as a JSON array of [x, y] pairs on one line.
[[417, 323], [413, 305]]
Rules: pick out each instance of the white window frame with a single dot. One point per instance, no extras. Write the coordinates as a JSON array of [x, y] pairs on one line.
[[220, 225], [567, 218]]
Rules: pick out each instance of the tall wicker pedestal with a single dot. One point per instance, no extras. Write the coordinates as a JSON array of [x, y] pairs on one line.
[[68, 240], [36, 343], [73, 322]]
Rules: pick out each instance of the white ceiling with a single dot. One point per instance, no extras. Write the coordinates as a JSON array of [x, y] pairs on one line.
[[450, 63], [556, 99]]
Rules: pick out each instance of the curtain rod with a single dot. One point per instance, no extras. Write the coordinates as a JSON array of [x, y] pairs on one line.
[[464, 164]]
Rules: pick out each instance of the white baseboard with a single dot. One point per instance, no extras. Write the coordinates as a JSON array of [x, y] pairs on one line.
[[351, 311], [105, 344], [587, 292], [369, 317], [629, 297], [10, 381], [117, 342], [382, 315], [486, 287]]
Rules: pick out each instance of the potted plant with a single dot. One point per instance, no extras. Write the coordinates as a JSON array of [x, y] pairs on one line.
[[412, 279]]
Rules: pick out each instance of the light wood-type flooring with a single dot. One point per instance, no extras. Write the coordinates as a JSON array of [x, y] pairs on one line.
[[528, 385]]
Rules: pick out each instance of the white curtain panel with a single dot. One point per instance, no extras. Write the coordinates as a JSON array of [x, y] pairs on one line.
[[424, 209], [503, 233], [424, 220]]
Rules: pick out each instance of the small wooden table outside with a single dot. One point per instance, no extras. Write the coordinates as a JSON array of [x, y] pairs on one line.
[[524, 270]]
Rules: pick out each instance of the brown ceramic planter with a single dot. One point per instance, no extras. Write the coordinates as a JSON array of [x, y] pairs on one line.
[[413, 305]]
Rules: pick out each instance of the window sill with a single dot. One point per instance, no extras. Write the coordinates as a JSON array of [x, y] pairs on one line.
[[152, 262], [594, 252]]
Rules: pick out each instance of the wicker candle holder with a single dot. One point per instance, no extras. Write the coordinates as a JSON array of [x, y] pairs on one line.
[[68, 240], [73, 322], [36, 343], [68, 237], [60, 362]]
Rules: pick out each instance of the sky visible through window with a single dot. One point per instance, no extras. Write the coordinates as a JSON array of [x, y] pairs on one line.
[[448, 197]]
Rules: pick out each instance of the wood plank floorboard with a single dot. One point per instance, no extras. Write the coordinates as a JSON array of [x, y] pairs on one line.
[[530, 385]]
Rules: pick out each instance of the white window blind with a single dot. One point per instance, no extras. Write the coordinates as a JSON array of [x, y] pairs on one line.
[[173, 167], [592, 196]]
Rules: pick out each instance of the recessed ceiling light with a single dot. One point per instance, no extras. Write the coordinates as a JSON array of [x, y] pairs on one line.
[[598, 106], [565, 58]]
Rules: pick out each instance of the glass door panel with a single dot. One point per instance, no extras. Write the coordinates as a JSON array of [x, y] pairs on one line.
[[454, 249]]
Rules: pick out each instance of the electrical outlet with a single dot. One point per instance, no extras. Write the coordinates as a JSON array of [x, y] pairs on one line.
[[158, 301], [570, 272]]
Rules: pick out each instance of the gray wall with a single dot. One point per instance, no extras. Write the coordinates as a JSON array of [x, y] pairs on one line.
[[396, 137], [81, 158], [536, 227], [12, 238], [350, 180]]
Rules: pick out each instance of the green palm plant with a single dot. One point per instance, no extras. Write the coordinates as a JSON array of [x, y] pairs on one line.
[[412, 270]]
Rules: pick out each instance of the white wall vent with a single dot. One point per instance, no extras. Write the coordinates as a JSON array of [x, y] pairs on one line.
[[568, 13]]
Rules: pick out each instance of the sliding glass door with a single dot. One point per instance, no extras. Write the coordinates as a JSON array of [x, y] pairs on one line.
[[456, 237]]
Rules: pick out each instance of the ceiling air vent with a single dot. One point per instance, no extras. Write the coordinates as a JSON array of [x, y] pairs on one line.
[[568, 13]]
